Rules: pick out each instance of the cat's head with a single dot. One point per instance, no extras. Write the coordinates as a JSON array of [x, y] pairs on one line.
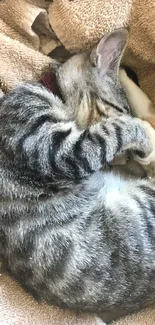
[[89, 82]]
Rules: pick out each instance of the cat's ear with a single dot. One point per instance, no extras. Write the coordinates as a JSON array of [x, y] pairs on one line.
[[109, 51]]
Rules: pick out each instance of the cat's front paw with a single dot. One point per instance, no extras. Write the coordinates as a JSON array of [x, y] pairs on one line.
[[151, 134]]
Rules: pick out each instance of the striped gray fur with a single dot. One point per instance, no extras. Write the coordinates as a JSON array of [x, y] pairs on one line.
[[74, 235]]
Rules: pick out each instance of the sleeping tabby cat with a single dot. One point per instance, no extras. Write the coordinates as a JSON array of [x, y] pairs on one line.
[[72, 235]]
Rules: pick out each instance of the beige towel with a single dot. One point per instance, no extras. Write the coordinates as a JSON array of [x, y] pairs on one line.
[[80, 24], [18, 308], [145, 317], [20, 59]]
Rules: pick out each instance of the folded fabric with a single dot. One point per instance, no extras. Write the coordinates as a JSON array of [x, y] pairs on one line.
[[20, 59], [19, 308], [145, 317]]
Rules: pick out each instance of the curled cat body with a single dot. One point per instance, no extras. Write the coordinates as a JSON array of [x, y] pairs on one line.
[[73, 235]]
